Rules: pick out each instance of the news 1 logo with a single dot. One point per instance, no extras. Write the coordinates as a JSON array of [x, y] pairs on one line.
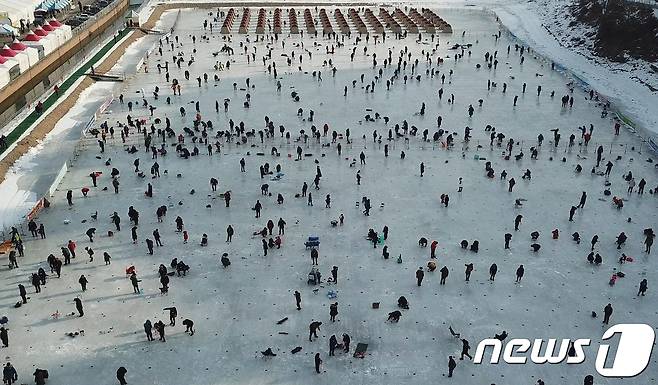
[[631, 358]]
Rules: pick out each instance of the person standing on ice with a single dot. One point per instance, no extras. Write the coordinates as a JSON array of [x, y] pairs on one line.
[[333, 342], [160, 328], [493, 269], [4, 337], [314, 256], [420, 274], [23, 293], [318, 362], [608, 168], [422, 169], [607, 312], [465, 348], [599, 153], [298, 300], [508, 238], [469, 270], [643, 287], [281, 224], [433, 247], [121, 375], [78, 306], [135, 282], [83, 282], [69, 197], [257, 207], [333, 311], [173, 313], [519, 273], [444, 274], [595, 239], [148, 329], [9, 375], [572, 211], [451, 365], [179, 224], [583, 199], [649, 235]]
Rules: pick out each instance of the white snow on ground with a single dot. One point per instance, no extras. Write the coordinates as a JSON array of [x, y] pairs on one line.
[[543, 25], [235, 309], [18, 190]]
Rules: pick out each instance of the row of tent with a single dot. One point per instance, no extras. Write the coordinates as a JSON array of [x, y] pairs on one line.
[[17, 57], [15, 10]]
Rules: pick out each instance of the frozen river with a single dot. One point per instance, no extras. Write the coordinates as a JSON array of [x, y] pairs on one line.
[[235, 310]]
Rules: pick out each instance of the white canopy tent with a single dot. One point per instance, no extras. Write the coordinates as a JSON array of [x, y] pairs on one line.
[[59, 33], [31, 53], [31, 40], [15, 10], [22, 59], [4, 76], [13, 68], [69, 31]]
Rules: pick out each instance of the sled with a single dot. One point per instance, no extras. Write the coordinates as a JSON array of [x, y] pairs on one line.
[[360, 351], [312, 242]]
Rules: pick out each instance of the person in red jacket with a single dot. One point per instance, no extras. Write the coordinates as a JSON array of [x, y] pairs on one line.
[[433, 249], [71, 246]]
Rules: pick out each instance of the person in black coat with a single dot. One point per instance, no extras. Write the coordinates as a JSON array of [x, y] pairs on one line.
[[318, 362], [346, 343], [4, 337], [83, 282], [173, 312], [298, 300], [9, 375], [189, 326], [451, 365], [36, 283], [23, 293], [78, 306], [121, 375], [420, 274], [148, 329], [40, 376], [333, 342], [160, 328]]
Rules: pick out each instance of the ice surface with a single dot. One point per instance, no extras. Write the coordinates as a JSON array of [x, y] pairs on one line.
[[236, 309]]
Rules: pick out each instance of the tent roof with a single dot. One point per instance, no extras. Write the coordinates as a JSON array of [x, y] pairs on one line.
[[18, 46], [7, 52], [32, 37]]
